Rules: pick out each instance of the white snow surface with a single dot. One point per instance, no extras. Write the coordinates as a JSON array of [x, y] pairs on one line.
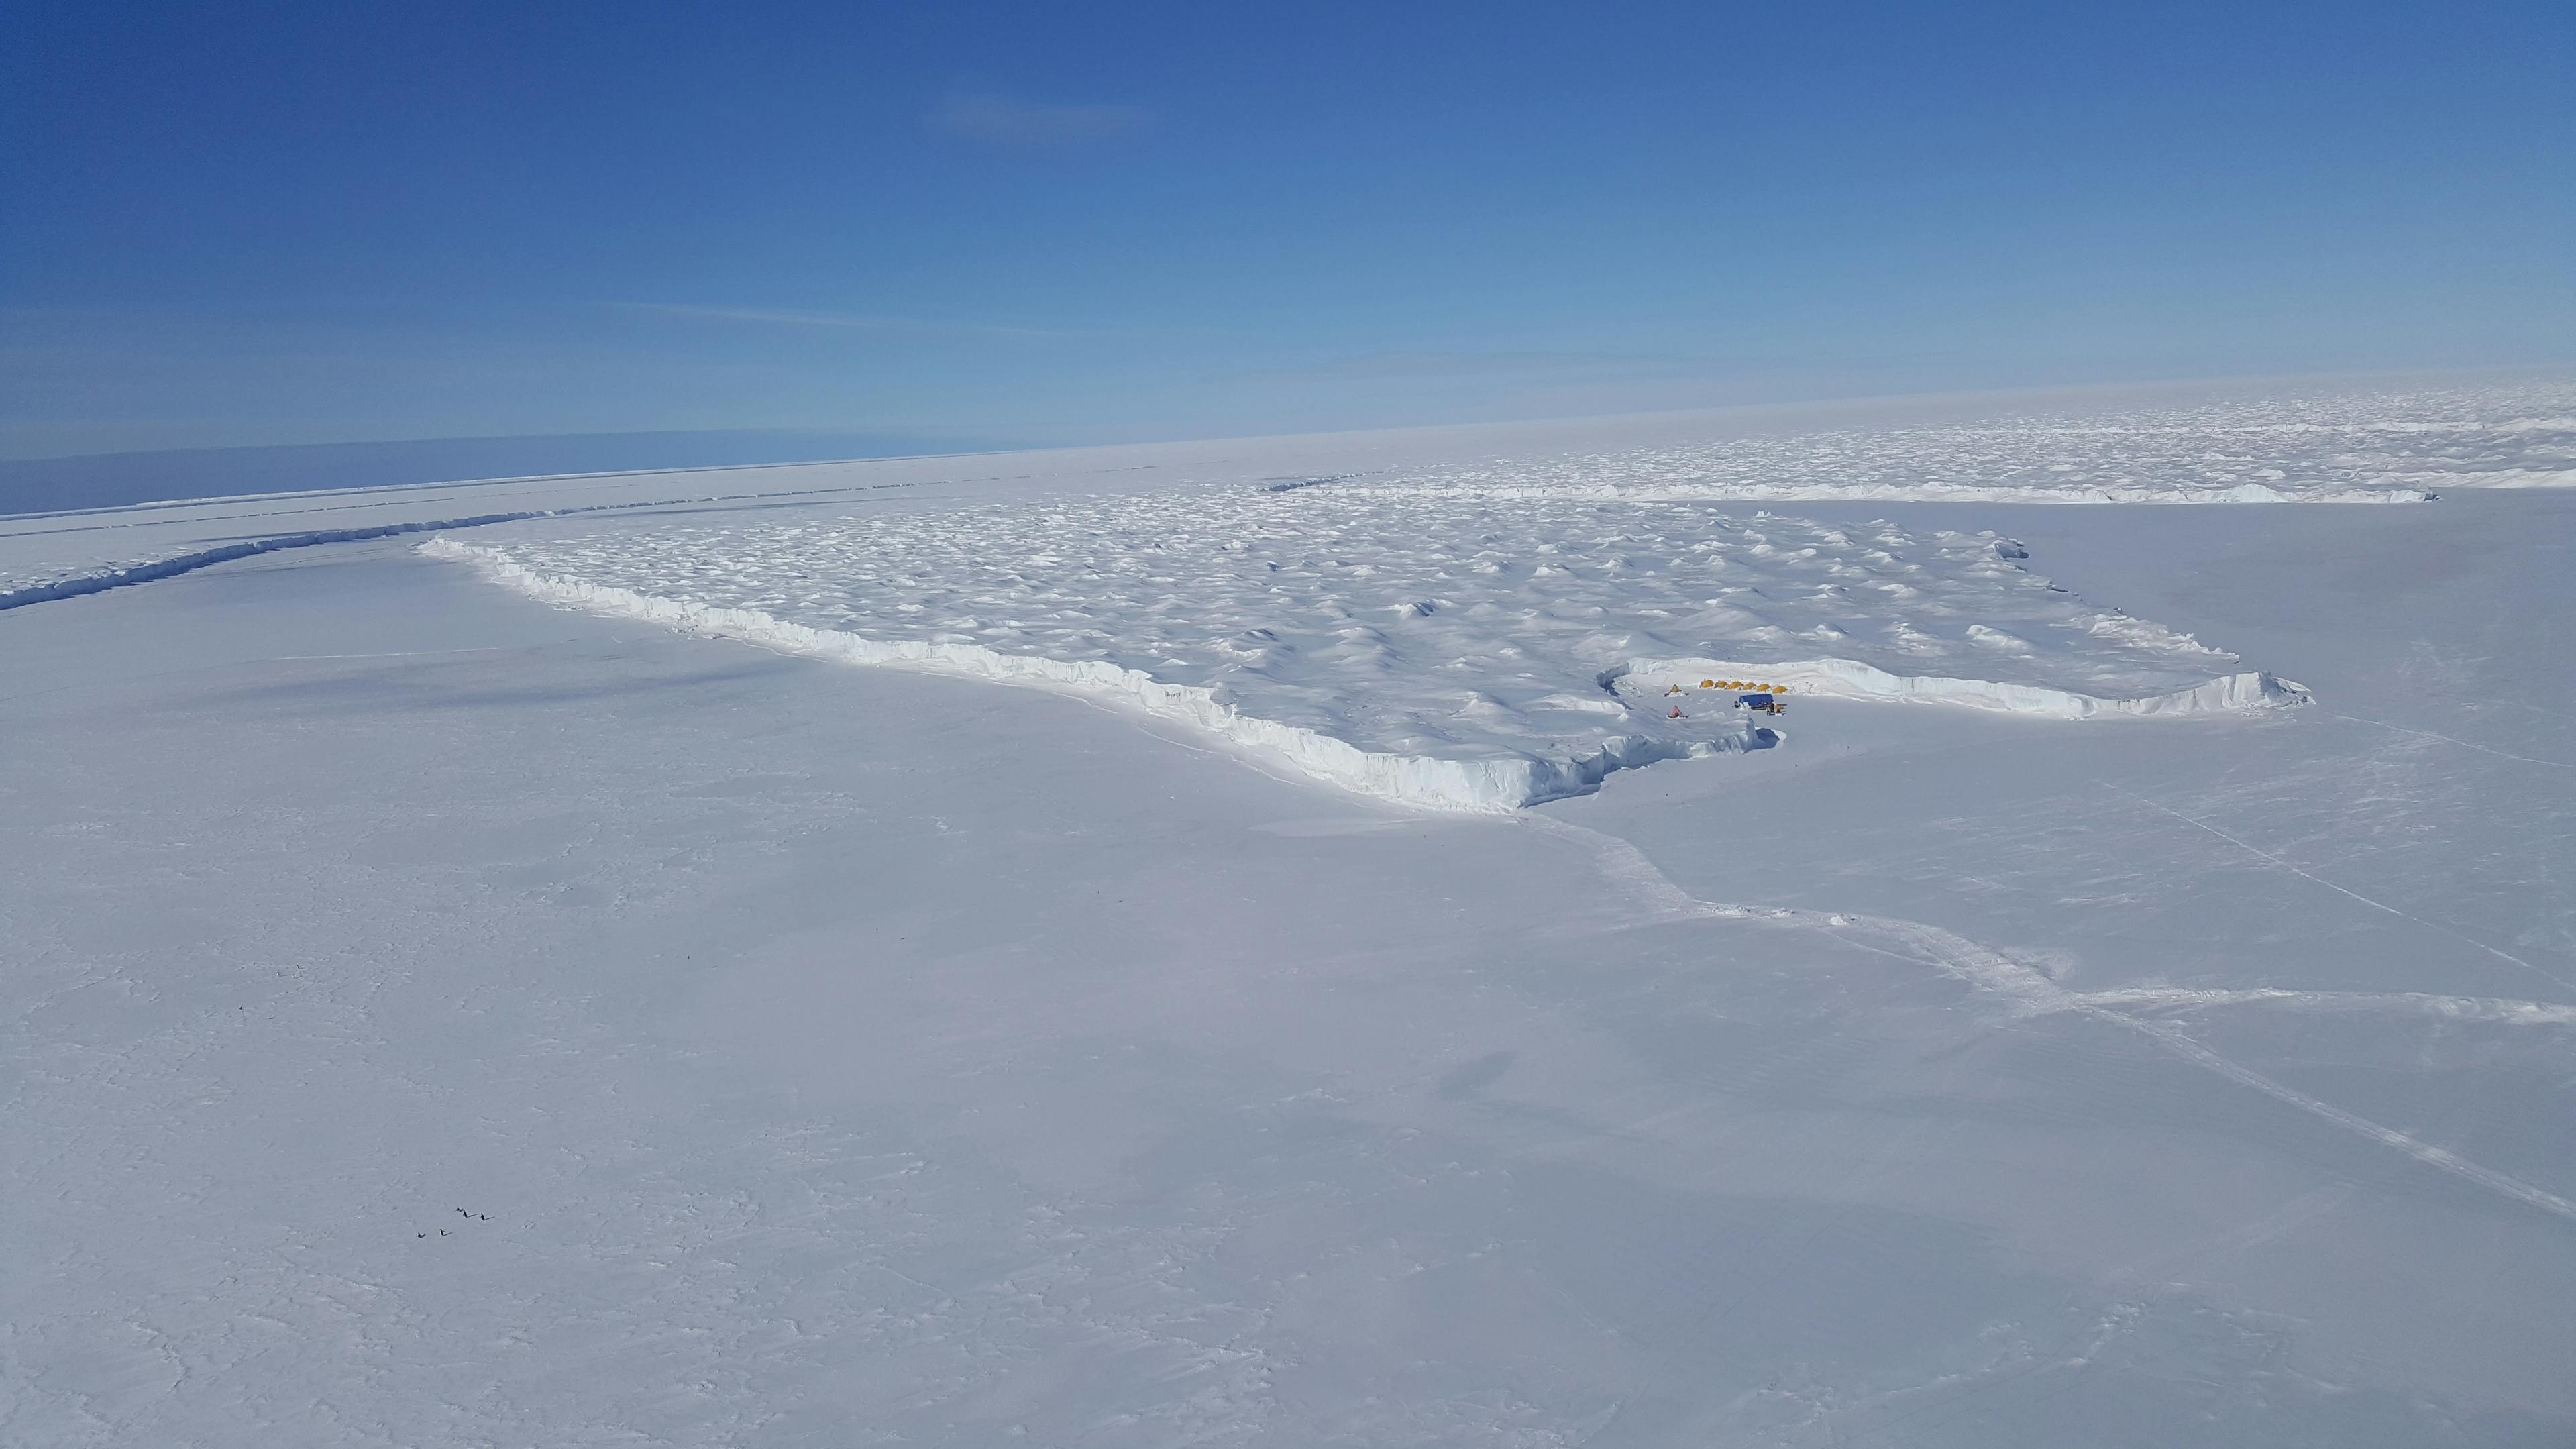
[[2339, 444], [1457, 653], [2332, 447], [431, 1016]]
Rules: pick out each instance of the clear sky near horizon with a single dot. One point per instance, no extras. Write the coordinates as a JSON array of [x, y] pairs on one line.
[[228, 225]]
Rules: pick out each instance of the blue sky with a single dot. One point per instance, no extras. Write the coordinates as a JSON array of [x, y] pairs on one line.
[[294, 223]]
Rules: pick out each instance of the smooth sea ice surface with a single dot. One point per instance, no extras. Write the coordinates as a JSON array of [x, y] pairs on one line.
[[438, 1017]]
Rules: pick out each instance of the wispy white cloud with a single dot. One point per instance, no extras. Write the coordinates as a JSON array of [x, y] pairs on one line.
[[852, 321], [1508, 364], [1569, 366], [999, 120]]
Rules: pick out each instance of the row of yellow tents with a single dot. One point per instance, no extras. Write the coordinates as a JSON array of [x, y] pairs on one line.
[[1742, 684]]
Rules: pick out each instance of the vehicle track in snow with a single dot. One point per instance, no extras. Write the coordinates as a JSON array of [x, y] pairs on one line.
[[2376, 905], [2031, 993]]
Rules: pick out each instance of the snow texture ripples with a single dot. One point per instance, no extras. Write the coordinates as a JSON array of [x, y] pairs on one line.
[[2321, 448], [1459, 655]]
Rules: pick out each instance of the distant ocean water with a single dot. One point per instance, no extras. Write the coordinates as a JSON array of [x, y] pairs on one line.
[[108, 480]]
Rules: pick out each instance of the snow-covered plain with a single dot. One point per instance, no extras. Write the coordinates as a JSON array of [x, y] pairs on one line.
[[2324, 447], [438, 1015], [2325, 444]]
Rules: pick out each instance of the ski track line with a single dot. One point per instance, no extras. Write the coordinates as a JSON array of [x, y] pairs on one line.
[[2030, 991], [2448, 740], [2452, 1008], [2172, 1038], [1961, 958], [2256, 850]]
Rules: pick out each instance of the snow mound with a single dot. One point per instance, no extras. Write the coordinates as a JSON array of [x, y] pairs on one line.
[[1457, 656]]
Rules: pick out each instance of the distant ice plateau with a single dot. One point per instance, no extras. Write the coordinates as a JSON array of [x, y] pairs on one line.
[[2332, 447], [2384, 447]]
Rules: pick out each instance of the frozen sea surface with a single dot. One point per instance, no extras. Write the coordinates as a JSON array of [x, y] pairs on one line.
[[2342, 444], [433, 1017]]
